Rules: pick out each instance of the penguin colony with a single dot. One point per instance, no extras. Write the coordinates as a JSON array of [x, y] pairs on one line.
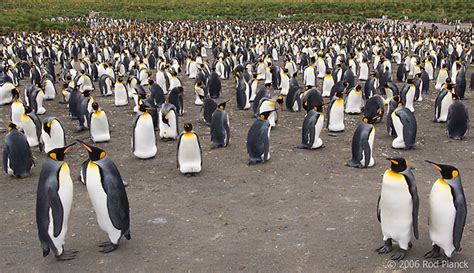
[[324, 73]]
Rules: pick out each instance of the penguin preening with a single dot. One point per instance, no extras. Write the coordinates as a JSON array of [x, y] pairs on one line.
[[53, 204], [397, 208], [362, 145], [220, 128], [448, 210], [258, 139], [108, 196]]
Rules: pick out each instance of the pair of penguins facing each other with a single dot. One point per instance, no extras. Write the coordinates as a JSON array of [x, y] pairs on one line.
[[55, 194], [398, 203]]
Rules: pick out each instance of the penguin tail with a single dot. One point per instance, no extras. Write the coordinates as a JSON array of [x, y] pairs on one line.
[[127, 235], [302, 146]]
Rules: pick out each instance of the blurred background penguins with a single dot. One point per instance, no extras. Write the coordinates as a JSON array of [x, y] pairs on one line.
[[53, 204], [17, 156], [397, 208], [448, 211], [189, 153]]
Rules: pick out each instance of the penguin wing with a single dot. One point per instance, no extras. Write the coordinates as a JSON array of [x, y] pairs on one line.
[[460, 218], [227, 129], [133, 132], [266, 146], [84, 171], [366, 149], [200, 149], [56, 207], [6, 152], [378, 208], [410, 179], [117, 200], [409, 135], [177, 150]]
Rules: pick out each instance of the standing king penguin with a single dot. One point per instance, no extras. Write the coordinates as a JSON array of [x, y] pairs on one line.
[[17, 156], [397, 208], [189, 153], [108, 196], [258, 139], [53, 204], [448, 212]]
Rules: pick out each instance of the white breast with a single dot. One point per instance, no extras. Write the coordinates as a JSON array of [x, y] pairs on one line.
[[145, 142], [189, 156]]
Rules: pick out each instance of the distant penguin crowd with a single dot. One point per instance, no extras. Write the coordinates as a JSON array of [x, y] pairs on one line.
[[325, 70]]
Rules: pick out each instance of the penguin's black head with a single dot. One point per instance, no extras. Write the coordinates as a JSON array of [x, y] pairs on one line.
[[150, 82], [450, 86], [143, 108], [410, 81], [188, 127], [58, 154], [15, 94], [328, 71], [345, 83], [47, 126], [95, 106], [265, 115], [279, 99], [358, 87], [399, 164], [268, 85], [86, 93], [95, 153], [12, 126], [447, 171], [27, 109], [222, 105]]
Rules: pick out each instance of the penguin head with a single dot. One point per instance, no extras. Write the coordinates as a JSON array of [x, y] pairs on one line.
[[450, 86], [27, 109], [268, 85], [265, 115], [143, 108], [95, 106], [448, 172], [188, 127], [95, 153], [410, 81], [15, 93], [399, 164], [12, 126], [279, 99], [59, 153], [222, 105], [47, 126]]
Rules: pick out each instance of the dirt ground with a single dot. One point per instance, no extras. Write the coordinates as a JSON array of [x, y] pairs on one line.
[[303, 211]]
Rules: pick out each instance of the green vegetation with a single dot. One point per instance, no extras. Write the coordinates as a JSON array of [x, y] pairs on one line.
[[29, 15]]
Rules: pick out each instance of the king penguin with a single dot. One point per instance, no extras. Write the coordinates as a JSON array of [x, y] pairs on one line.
[[335, 113], [362, 145], [313, 124], [448, 210], [404, 123], [397, 208], [31, 124], [98, 125], [52, 135], [53, 204], [108, 196], [354, 101], [258, 139], [443, 100], [457, 125], [17, 156], [143, 135], [168, 122], [189, 154], [220, 128]]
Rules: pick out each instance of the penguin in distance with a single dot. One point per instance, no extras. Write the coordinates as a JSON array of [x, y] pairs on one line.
[[17, 156], [189, 153], [220, 127]]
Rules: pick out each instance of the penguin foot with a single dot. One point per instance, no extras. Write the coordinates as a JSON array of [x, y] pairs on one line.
[[67, 255], [434, 253], [108, 247], [400, 255], [386, 248]]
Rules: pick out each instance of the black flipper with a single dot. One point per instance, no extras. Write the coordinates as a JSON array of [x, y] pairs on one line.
[[56, 210], [378, 208], [6, 151], [410, 179], [460, 219]]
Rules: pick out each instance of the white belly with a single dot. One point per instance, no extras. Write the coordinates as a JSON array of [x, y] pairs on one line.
[[318, 127], [189, 156], [442, 215], [99, 201], [371, 145], [120, 93], [328, 83], [336, 120], [410, 97], [396, 207], [398, 142], [145, 142], [364, 72], [168, 131], [354, 103], [445, 103], [17, 110], [99, 127], [49, 91], [56, 140], [30, 131]]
